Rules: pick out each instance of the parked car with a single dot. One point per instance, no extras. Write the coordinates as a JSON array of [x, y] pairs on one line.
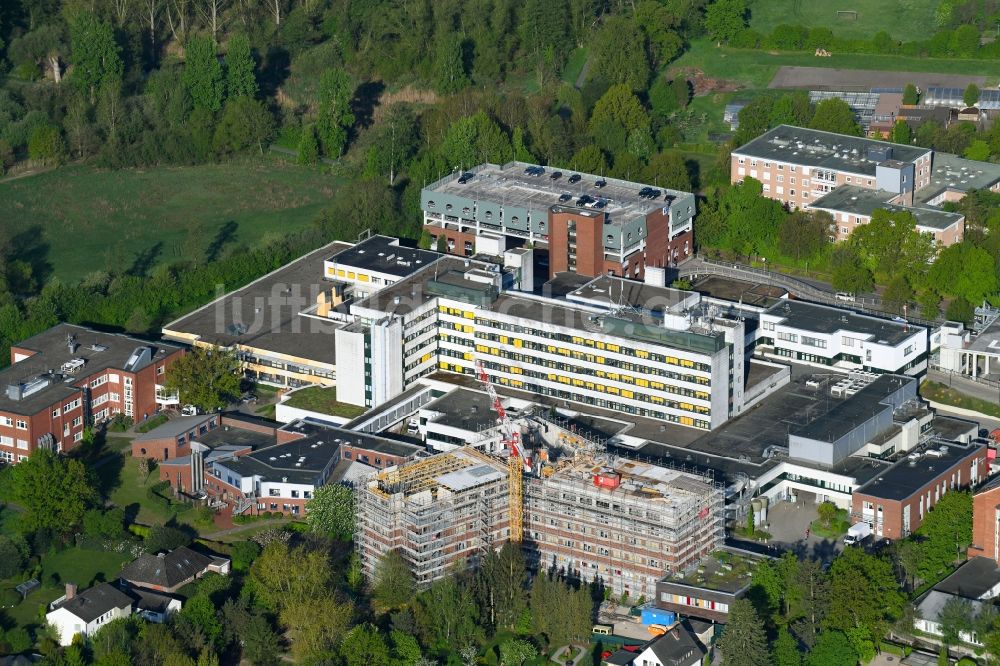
[[189, 410], [465, 177], [600, 183], [575, 178], [845, 296], [555, 175]]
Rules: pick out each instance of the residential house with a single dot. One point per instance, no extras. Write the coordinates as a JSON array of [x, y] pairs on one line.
[[88, 611], [168, 572]]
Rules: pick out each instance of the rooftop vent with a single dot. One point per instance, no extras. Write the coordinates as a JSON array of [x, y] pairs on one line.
[[96, 347]]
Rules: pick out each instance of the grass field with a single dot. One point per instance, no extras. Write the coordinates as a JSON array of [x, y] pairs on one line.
[[903, 19], [81, 216], [754, 69]]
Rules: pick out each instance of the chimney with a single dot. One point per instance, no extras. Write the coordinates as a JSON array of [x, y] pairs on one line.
[[70, 591]]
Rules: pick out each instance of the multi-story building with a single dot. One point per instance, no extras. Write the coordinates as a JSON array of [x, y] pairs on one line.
[[280, 325], [374, 263], [806, 168], [843, 339], [436, 513], [852, 206], [986, 521], [797, 165], [895, 502], [589, 224], [69, 377], [625, 524], [634, 348]]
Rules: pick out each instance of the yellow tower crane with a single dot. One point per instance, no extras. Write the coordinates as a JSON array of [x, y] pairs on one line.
[[516, 462]]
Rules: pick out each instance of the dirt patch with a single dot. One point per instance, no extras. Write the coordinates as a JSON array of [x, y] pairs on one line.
[[704, 85], [831, 78]]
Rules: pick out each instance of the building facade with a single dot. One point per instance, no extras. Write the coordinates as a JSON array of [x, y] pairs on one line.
[[894, 504], [69, 377], [986, 522], [589, 224]]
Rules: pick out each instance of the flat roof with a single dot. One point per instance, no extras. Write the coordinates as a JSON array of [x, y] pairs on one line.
[[383, 254], [908, 476], [419, 288], [739, 291], [470, 477], [614, 292], [355, 438], [824, 150], [864, 202], [987, 341], [854, 410], [237, 437], [973, 579], [179, 425], [464, 408], [264, 314], [830, 320], [951, 172], [298, 461], [509, 185], [47, 377]]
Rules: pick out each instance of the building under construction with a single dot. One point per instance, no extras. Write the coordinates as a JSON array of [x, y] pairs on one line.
[[435, 512], [587, 515], [624, 522]]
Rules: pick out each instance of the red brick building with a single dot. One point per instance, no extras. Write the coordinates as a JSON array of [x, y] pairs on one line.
[[895, 502], [986, 522], [589, 224], [69, 377], [256, 466]]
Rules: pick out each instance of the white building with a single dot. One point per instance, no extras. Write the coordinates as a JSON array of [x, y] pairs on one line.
[[842, 339], [88, 611], [674, 648]]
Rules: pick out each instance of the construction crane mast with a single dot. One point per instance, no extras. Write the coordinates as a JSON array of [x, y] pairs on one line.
[[516, 462]]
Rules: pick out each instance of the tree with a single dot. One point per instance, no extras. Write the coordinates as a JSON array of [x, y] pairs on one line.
[[959, 310], [956, 617], [668, 169], [331, 510], [864, 600], [589, 159], [751, 220], [500, 585], [620, 53], [243, 553], [971, 95], [245, 122], [100, 524], [515, 652], [308, 146], [163, 538], [364, 646], [725, 19], [449, 65], [743, 642], [946, 532], [199, 612], [620, 106], [240, 78], [804, 234], [18, 640], [54, 492], [203, 74], [95, 54], [910, 94], [559, 612], [393, 586], [405, 649], [45, 145], [901, 133], [14, 552], [335, 116], [786, 649], [964, 271], [445, 611], [891, 245], [930, 304], [832, 649], [208, 378], [849, 272], [834, 115]]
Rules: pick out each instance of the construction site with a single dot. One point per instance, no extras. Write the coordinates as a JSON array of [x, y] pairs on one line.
[[577, 509]]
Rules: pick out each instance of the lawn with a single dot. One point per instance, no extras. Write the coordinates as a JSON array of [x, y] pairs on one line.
[[948, 396], [906, 20], [126, 489], [79, 219], [574, 65], [324, 401], [754, 69], [73, 565]]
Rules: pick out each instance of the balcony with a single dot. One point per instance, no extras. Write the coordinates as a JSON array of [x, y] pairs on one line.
[[165, 397]]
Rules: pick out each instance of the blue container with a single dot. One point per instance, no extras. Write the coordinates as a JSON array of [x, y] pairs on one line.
[[658, 616]]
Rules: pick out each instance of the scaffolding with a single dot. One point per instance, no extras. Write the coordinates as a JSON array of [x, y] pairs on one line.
[[622, 522], [438, 511]]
